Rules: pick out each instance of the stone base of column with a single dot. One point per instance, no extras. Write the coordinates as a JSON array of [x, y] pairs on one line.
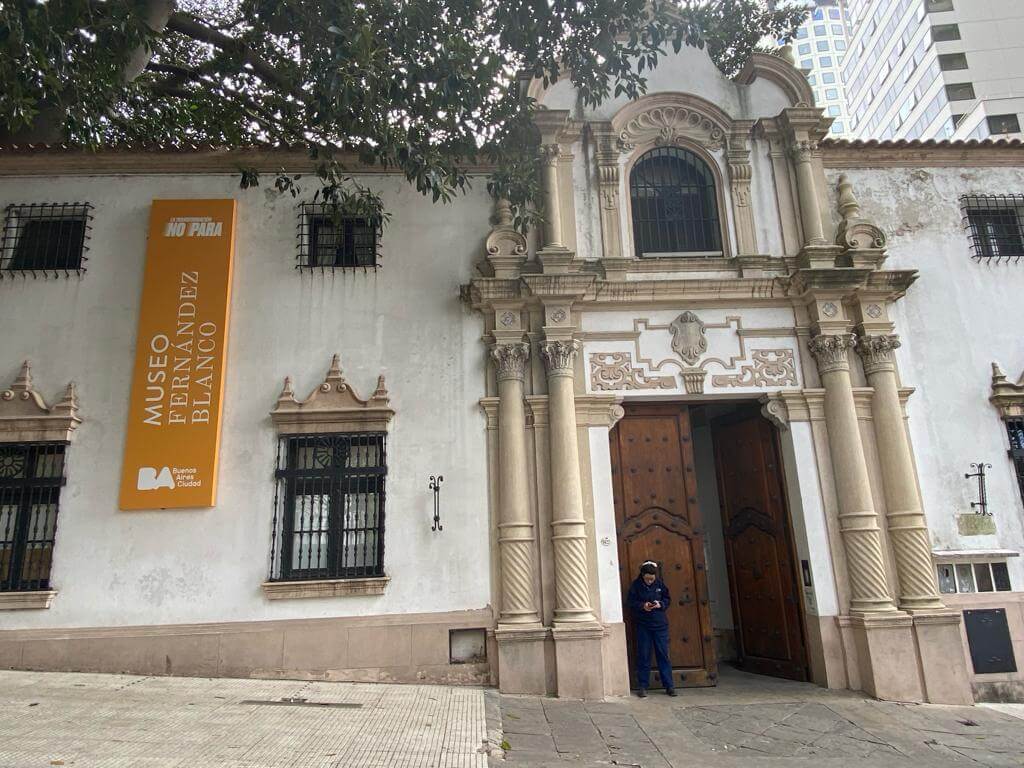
[[579, 661], [555, 259], [943, 662], [522, 659], [813, 256], [882, 657]]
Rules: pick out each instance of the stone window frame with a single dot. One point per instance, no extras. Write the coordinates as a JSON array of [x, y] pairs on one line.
[[692, 123], [333, 407], [25, 417]]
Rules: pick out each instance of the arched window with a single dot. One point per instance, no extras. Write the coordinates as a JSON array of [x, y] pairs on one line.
[[675, 206]]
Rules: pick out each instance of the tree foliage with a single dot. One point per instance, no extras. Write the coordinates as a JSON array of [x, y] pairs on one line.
[[428, 86]]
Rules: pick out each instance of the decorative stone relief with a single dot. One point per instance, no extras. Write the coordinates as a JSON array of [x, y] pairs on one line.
[[332, 407], [769, 368], [878, 352], [1006, 396], [693, 380], [689, 337], [559, 355], [607, 157], [614, 370], [667, 125], [510, 360], [874, 311], [828, 309], [775, 411], [25, 416], [831, 351], [507, 319]]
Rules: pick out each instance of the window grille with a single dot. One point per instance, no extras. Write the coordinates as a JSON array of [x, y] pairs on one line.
[[329, 507], [328, 240], [674, 202], [31, 476], [45, 239], [1015, 431], [994, 225]]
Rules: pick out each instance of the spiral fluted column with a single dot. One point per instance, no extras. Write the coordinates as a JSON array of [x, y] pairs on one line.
[[858, 520], [569, 534], [908, 529], [516, 539]]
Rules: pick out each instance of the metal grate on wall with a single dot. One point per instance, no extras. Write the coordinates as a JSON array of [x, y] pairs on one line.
[[674, 204], [330, 240], [31, 476], [329, 507], [45, 239], [993, 224]]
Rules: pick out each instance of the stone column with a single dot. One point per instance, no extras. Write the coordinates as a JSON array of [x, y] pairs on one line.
[[858, 521], [607, 158], [810, 210], [516, 540], [569, 536], [553, 229], [905, 518]]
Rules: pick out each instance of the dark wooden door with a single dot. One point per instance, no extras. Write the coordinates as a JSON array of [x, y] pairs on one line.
[[758, 547], [657, 519]]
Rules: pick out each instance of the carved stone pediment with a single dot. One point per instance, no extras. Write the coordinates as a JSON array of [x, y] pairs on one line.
[[332, 407], [1007, 396], [689, 337], [25, 416], [669, 119]]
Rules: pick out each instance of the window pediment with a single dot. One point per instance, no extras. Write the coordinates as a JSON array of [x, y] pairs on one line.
[[332, 407], [25, 417], [669, 120]]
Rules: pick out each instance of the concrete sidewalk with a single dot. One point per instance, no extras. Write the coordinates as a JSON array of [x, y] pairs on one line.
[[749, 721], [115, 721]]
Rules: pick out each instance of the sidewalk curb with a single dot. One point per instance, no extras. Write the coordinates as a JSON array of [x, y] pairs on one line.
[[495, 734]]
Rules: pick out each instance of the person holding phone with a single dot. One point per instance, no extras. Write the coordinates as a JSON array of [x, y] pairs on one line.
[[648, 599]]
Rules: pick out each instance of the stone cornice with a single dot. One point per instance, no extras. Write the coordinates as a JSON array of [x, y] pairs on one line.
[[600, 410]]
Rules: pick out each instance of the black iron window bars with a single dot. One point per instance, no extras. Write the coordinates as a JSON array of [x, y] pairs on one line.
[[43, 239], [329, 507], [1015, 431], [993, 223], [31, 476], [331, 240], [674, 204]]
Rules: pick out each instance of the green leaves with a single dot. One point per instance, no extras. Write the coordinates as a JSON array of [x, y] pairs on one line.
[[431, 87]]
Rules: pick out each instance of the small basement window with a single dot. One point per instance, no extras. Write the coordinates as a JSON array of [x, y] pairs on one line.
[[966, 578], [331, 240], [45, 238], [993, 222]]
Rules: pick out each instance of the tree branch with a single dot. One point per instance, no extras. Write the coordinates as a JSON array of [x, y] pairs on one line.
[[188, 26]]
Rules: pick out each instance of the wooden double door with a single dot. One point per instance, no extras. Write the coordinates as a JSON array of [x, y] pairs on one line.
[[658, 518]]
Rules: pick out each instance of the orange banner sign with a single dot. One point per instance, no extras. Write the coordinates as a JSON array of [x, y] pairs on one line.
[[171, 449]]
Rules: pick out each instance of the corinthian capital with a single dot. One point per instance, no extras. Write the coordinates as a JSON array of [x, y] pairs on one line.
[[877, 352], [802, 150], [549, 153], [831, 351], [511, 359], [559, 356]]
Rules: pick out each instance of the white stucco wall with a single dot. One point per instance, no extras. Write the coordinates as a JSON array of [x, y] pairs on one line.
[[958, 318], [405, 321]]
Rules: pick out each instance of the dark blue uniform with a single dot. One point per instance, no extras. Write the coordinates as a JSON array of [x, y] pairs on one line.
[[651, 630]]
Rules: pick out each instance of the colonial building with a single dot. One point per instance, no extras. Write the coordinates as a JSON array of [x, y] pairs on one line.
[[244, 437]]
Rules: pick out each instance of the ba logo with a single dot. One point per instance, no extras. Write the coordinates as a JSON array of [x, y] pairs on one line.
[[150, 479]]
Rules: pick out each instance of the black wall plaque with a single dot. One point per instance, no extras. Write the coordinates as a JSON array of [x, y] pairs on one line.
[[989, 638]]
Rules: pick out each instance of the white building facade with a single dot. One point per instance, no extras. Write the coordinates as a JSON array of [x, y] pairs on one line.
[[934, 69], [759, 358], [820, 48]]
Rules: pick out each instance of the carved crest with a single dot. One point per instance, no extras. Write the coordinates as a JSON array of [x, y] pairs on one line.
[[668, 125], [689, 337]]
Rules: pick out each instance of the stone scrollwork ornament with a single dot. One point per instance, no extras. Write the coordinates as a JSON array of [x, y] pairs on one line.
[[689, 337], [559, 355], [668, 125], [854, 232], [611, 371], [832, 351], [25, 416], [510, 360], [877, 352]]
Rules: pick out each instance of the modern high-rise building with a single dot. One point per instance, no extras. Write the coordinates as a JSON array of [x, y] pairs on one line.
[[820, 47], [935, 69]]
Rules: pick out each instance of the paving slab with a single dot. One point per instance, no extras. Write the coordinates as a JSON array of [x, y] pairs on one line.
[[750, 721], [115, 721]]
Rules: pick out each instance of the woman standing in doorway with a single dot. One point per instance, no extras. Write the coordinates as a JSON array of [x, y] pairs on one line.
[[649, 599]]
